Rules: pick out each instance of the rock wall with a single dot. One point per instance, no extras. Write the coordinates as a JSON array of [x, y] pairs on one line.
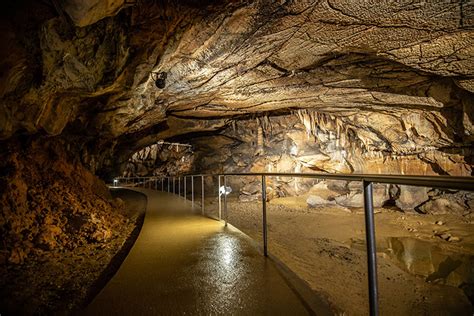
[[159, 160], [90, 65], [415, 144], [412, 143], [374, 89], [49, 202]]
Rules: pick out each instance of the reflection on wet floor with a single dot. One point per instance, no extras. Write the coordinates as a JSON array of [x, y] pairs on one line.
[[427, 260], [435, 264], [183, 263]]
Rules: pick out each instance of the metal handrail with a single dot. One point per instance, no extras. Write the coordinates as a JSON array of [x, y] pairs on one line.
[[442, 182]]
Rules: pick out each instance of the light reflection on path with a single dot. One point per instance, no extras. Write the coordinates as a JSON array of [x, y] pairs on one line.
[[186, 264]]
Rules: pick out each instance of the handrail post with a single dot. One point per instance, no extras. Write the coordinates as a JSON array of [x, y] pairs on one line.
[[219, 195], [371, 247], [168, 182], [264, 216], [202, 194], [162, 184], [174, 185], [192, 191], [225, 201], [179, 186], [184, 178]]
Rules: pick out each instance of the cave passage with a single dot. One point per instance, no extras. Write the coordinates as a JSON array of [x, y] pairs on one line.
[[186, 264], [102, 93]]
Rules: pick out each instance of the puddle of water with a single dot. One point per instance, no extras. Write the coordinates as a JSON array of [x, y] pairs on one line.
[[429, 261]]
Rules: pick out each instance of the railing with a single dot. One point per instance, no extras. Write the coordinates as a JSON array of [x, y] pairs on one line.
[[441, 182]]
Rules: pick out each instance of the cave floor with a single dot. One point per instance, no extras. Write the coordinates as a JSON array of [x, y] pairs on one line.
[[326, 248], [184, 263]]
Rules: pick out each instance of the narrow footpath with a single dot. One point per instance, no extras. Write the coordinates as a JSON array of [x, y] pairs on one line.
[[185, 264]]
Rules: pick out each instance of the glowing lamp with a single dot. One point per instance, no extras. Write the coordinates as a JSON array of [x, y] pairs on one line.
[[225, 190]]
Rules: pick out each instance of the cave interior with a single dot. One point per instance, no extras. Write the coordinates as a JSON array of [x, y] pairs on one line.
[[93, 91]]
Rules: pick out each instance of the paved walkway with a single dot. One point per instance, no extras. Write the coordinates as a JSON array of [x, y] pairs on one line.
[[186, 264]]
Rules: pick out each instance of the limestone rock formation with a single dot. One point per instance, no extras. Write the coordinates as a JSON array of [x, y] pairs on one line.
[[410, 61], [290, 86], [84, 13], [92, 87]]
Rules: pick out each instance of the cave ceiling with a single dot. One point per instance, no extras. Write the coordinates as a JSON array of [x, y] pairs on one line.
[[89, 67]]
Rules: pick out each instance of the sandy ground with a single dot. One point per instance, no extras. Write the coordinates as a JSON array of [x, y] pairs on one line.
[[62, 281], [326, 247]]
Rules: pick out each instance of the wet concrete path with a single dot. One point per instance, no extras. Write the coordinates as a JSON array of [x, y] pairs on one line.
[[186, 264]]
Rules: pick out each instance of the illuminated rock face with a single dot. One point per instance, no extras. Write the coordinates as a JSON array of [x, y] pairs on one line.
[[315, 142], [374, 89], [84, 13], [88, 87], [233, 59], [160, 160], [312, 141]]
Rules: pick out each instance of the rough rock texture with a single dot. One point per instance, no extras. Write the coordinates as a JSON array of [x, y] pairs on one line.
[[409, 63], [160, 160], [59, 226], [311, 141], [289, 145], [48, 203], [84, 13], [330, 143], [312, 85], [257, 86]]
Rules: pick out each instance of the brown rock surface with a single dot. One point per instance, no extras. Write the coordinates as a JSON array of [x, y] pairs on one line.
[[60, 229], [89, 87], [48, 203], [231, 59]]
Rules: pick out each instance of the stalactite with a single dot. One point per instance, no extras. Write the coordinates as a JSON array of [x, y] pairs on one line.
[[260, 144], [328, 127], [267, 125], [154, 152]]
